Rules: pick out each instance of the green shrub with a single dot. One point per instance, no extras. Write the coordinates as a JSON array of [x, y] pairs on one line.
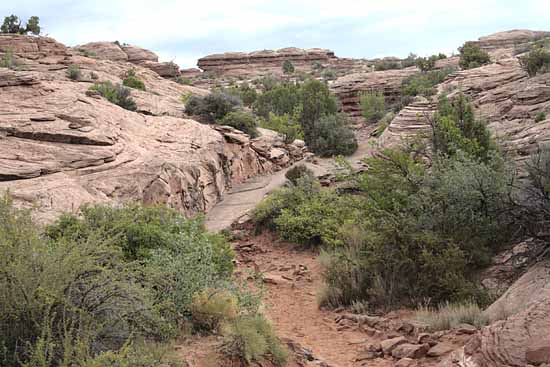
[[243, 91], [116, 94], [388, 65], [288, 68], [426, 63], [141, 354], [279, 99], [541, 116], [132, 81], [183, 81], [12, 24], [536, 61], [373, 106], [294, 174], [241, 120], [329, 74], [252, 339], [409, 61], [455, 128], [423, 84], [317, 101], [472, 56], [74, 73], [212, 107], [450, 315], [213, 307], [8, 61], [332, 136], [286, 125], [383, 124]]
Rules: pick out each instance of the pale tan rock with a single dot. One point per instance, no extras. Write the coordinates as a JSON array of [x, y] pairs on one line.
[[104, 50], [138, 55], [414, 351], [389, 345]]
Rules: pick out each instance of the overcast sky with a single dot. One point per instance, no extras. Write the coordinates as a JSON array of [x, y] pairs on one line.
[[183, 30]]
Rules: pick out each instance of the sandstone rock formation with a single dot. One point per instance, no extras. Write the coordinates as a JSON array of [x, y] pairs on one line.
[[505, 44], [62, 147], [521, 339], [349, 88], [412, 121], [113, 51]]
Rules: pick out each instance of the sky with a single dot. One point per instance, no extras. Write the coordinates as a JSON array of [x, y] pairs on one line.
[[183, 31]]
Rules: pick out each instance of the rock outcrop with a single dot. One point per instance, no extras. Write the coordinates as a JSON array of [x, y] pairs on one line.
[[520, 339], [505, 44], [114, 51], [62, 146], [412, 121], [349, 88]]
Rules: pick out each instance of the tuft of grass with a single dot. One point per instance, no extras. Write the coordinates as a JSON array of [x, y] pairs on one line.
[[116, 94], [541, 116], [8, 61], [449, 315], [132, 81], [74, 73]]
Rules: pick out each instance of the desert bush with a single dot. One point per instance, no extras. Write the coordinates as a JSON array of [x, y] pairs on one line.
[[383, 124], [252, 339], [410, 60], [213, 307], [536, 61], [243, 91], [388, 65], [373, 106], [286, 125], [279, 99], [455, 128], [183, 81], [541, 116], [214, 106], [423, 84], [331, 136], [131, 80], [449, 315], [74, 73], [8, 61], [243, 121], [12, 24], [294, 174], [139, 354], [329, 74], [80, 298], [317, 102], [472, 56], [117, 94], [288, 67], [426, 63]]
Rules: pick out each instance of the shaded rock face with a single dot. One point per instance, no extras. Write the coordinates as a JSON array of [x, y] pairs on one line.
[[31, 47], [114, 52], [62, 147], [522, 338], [261, 61]]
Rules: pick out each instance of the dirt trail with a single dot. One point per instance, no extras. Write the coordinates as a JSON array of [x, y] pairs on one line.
[[293, 279]]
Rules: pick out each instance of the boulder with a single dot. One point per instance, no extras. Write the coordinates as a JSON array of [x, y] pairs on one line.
[[405, 362], [138, 55], [439, 350], [407, 350], [104, 50], [538, 352], [389, 345]]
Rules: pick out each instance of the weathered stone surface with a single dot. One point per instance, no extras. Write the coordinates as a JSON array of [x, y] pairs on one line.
[[405, 362], [525, 308], [389, 345], [62, 147], [539, 352], [503, 44], [104, 50], [439, 350], [31, 47], [413, 351], [165, 69], [412, 121], [349, 88], [138, 55]]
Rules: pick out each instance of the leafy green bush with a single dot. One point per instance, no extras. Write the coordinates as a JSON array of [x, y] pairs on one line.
[[252, 339], [212, 107], [294, 174], [288, 68], [373, 106], [141, 354], [243, 91], [329, 74], [213, 307], [8, 61], [317, 101], [450, 315], [74, 73], [455, 128], [332, 136], [383, 124], [117, 94], [423, 84], [80, 294], [132, 81], [279, 99], [183, 81], [541, 116], [286, 125], [388, 65], [241, 120], [426, 63], [12, 24], [472, 56], [536, 61]]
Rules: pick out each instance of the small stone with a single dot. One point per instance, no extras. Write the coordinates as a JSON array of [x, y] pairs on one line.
[[538, 352], [439, 350], [466, 329], [414, 351], [406, 328], [405, 362], [389, 345]]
